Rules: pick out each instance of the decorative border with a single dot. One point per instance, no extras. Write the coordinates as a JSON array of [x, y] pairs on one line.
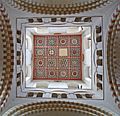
[[112, 56], [8, 57], [35, 7], [80, 57], [49, 95], [38, 107]]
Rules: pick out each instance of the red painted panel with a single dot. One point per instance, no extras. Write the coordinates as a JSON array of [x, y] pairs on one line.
[[57, 57]]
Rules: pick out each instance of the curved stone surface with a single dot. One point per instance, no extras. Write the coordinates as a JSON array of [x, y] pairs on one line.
[[57, 9], [62, 106], [6, 58], [58, 2], [113, 56]]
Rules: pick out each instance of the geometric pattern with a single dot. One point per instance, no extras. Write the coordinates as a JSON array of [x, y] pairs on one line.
[[39, 62], [52, 52], [52, 62], [63, 73], [75, 52], [52, 73], [75, 73], [57, 57], [75, 62], [40, 73], [63, 62], [40, 41], [59, 9], [75, 41], [40, 52], [63, 41], [51, 41]]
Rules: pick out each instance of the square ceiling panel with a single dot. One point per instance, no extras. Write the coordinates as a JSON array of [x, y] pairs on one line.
[[57, 57]]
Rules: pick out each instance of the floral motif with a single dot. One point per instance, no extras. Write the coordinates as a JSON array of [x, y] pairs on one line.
[[52, 51], [63, 63], [57, 57], [39, 52], [52, 62], [75, 73], [63, 41], [75, 52], [63, 73], [40, 41], [52, 41], [40, 73], [52, 74], [75, 41], [75, 62], [39, 62]]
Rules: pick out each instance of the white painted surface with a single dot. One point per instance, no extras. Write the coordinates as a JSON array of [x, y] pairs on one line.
[[87, 60], [28, 57], [58, 85]]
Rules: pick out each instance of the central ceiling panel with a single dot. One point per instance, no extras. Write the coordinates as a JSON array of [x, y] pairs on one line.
[[57, 57]]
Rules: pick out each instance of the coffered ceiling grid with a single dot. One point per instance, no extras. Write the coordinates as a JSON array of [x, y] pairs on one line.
[[59, 9]]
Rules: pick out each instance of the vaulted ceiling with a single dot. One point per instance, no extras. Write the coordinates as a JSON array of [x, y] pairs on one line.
[[10, 10], [58, 7]]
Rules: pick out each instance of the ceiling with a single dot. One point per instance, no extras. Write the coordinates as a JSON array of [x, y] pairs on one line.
[[110, 103], [57, 6], [58, 113], [60, 1]]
